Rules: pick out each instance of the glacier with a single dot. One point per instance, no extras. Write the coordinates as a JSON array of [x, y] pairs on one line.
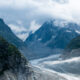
[[54, 68]]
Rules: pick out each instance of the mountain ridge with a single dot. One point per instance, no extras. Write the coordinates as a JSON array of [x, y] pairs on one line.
[[72, 49], [7, 34], [12, 63], [52, 35]]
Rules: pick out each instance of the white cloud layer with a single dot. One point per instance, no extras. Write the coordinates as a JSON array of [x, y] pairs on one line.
[[23, 32], [17, 28], [34, 26], [34, 12], [67, 9], [20, 31]]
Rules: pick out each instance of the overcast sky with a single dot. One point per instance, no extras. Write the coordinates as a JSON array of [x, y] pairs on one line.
[[24, 16]]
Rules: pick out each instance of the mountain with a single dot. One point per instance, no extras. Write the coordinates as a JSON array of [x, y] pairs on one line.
[[7, 34], [72, 49], [13, 65], [74, 44], [53, 35]]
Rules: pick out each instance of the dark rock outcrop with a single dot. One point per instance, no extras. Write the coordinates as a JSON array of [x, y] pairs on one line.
[[72, 49], [13, 65], [8, 35]]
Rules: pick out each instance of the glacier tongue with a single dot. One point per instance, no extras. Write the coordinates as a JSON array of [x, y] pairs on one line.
[[48, 69]]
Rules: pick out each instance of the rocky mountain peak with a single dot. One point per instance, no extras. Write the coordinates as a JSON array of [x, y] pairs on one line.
[[1, 20]]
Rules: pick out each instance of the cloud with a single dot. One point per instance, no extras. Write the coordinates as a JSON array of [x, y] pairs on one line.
[[23, 32], [32, 13], [20, 31], [5, 3], [22, 36], [17, 28], [34, 26], [66, 9]]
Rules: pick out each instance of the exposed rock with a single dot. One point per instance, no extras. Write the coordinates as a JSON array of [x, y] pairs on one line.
[[13, 65]]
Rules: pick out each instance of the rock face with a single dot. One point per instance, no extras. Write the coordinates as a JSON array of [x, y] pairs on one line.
[[72, 49], [74, 44], [52, 35], [7, 34], [13, 65]]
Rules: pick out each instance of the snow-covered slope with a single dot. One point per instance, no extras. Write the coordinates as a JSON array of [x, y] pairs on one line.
[[61, 69], [45, 74], [53, 34]]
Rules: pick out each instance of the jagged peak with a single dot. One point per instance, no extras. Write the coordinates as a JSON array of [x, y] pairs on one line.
[[1, 20]]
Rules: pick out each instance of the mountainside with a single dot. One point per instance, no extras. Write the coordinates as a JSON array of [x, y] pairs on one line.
[[74, 44], [6, 33], [52, 35], [13, 66], [72, 49]]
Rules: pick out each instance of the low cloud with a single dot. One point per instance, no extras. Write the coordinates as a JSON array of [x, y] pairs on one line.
[[17, 28], [66, 9], [34, 26], [20, 31], [22, 36], [32, 13], [23, 32]]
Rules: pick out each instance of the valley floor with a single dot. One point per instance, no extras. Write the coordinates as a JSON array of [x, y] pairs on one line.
[[53, 68]]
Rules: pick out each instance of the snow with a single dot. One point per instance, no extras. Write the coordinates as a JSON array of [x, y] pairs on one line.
[[60, 23], [36, 61], [53, 36], [76, 59], [39, 39], [77, 31], [68, 31], [57, 74], [40, 64]]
